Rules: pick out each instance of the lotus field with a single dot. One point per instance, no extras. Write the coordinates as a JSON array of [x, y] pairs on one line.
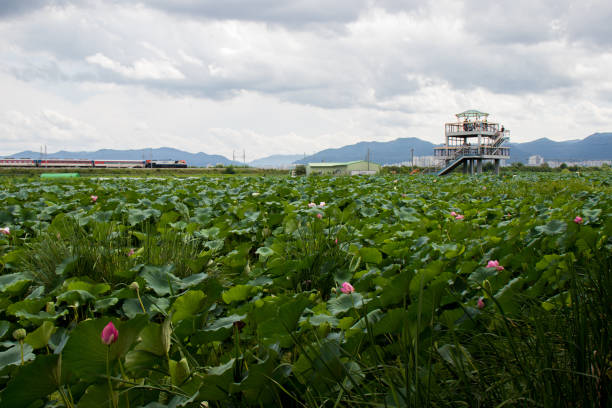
[[386, 291]]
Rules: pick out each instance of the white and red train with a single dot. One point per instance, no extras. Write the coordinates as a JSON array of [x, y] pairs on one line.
[[93, 163]]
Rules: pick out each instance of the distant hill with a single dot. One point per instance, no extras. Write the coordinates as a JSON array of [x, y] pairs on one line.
[[597, 146], [395, 151], [276, 160], [162, 153]]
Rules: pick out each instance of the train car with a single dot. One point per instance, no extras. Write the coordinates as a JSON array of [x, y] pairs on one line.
[[65, 163], [17, 162], [156, 164], [119, 163]]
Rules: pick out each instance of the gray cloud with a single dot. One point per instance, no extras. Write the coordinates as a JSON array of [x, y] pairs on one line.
[[379, 64], [12, 8], [356, 67]]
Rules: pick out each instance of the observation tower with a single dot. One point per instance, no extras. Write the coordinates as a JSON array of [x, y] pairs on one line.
[[470, 140]]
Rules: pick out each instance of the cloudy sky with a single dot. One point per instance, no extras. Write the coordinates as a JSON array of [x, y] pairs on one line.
[[296, 76]]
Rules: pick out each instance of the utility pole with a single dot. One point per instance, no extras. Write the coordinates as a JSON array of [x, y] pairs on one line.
[[368, 159], [412, 157], [244, 156], [233, 155]]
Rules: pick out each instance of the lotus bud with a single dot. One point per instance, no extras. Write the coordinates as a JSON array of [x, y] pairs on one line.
[[50, 308], [109, 334], [165, 336], [480, 303], [134, 286], [19, 334], [487, 286]]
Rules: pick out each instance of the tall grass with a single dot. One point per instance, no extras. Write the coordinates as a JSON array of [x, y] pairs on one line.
[[538, 358], [101, 251]]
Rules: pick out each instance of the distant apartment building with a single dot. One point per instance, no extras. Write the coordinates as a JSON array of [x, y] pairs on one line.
[[583, 163], [420, 161], [535, 160]]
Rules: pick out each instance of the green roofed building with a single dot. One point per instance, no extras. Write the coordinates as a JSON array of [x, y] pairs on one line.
[[343, 169]]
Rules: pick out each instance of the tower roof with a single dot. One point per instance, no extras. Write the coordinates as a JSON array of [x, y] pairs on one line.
[[472, 113]]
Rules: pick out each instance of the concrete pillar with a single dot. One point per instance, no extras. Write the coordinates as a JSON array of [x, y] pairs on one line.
[[465, 167], [471, 166], [479, 161], [497, 166]]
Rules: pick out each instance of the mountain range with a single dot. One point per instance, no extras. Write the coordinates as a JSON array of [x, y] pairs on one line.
[[276, 160], [597, 146], [162, 153]]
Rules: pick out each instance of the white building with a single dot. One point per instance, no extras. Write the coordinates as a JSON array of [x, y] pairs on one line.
[[535, 160]]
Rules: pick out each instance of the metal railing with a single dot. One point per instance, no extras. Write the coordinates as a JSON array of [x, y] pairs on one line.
[[494, 149], [471, 127]]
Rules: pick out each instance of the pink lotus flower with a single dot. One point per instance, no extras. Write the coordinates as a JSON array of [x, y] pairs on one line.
[[496, 265], [322, 204], [578, 220], [336, 241], [347, 288], [454, 214], [94, 198], [131, 252], [459, 217], [109, 334], [480, 303], [5, 231], [311, 205], [319, 215]]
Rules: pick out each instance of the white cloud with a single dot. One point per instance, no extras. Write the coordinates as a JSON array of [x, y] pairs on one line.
[[140, 69]]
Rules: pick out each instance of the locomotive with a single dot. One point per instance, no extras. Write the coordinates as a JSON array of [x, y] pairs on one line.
[[93, 163]]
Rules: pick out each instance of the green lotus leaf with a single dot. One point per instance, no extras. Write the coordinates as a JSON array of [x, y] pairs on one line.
[[32, 382], [239, 293], [554, 227], [14, 283], [39, 338], [4, 328], [319, 319], [101, 305], [161, 279], [95, 396], [80, 284], [370, 255], [188, 304], [264, 253], [76, 297], [12, 356], [85, 354], [345, 302]]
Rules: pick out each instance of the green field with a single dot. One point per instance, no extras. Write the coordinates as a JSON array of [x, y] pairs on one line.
[[390, 291]]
